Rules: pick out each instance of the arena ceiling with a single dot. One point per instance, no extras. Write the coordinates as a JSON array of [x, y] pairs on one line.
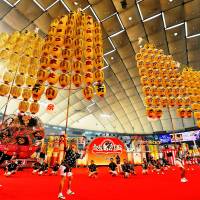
[[173, 25]]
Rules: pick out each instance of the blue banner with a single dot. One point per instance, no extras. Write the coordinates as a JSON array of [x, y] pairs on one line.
[[164, 138]]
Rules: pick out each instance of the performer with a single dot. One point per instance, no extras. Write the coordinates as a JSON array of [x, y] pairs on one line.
[[179, 163], [11, 168], [144, 166], [92, 169], [132, 168], [118, 163], [44, 168], [36, 167], [112, 168], [126, 169], [55, 168], [71, 155]]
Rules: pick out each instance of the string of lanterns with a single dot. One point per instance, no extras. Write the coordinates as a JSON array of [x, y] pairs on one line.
[[20, 53], [72, 53], [165, 86]]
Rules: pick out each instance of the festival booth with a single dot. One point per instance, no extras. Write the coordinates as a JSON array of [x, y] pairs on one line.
[[101, 149]]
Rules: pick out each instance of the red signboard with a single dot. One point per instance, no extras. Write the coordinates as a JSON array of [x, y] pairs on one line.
[[101, 149]]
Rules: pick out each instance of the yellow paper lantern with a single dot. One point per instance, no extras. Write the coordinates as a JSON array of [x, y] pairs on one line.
[[19, 80], [8, 77], [4, 89], [52, 78], [78, 66], [51, 93], [42, 75], [26, 94], [65, 66], [23, 106], [77, 79], [34, 107], [99, 76], [37, 91], [88, 92], [30, 81], [44, 62], [88, 78], [88, 66], [64, 80], [15, 91], [100, 90]]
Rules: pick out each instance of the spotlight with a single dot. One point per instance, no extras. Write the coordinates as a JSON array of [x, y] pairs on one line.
[[124, 4]]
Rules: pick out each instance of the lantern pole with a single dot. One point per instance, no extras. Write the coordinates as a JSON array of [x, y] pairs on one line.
[[172, 124], [68, 102]]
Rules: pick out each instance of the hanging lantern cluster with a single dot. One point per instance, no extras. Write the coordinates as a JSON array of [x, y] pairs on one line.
[[20, 54], [73, 53], [191, 81], [164, 86]]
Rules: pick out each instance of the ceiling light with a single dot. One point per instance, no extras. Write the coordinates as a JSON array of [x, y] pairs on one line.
[[175, 34], [130, 18], [150, 18], [75, 3], [170, 0], [140, 46], [105, 115], [112, 58]]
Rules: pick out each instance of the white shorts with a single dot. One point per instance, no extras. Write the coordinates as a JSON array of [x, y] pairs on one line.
[[178, 163], [62, 173]]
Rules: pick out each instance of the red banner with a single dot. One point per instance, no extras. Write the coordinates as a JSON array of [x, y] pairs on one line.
[[103, 148]]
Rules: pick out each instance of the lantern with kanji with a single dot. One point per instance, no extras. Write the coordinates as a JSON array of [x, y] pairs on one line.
[[64, 80], [88, 78], [88, 92], [100, 89], [42, 75], [99, 76], [37, 91], [53, 78], [34, 107], [77, 79], [51, 93], [65, 66]]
